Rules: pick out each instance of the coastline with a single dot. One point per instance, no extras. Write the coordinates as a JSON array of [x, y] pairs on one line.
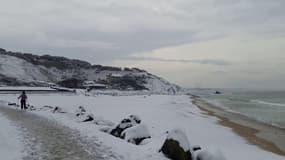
[[264, 136]]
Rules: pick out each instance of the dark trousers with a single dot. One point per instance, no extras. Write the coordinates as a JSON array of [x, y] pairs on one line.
[[23, 105]]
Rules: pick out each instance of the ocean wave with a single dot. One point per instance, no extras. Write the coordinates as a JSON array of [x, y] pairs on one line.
[[268, 103], [220, 105], [260, 119]]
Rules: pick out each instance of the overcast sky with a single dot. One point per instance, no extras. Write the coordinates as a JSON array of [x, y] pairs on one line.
[[194, 43]]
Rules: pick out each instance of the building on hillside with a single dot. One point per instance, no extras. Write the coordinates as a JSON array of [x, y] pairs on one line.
[[89, 85], [114, 77]]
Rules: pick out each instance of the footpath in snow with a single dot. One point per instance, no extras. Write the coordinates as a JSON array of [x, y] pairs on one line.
[[11, 147], [41, 138], [160, 113]]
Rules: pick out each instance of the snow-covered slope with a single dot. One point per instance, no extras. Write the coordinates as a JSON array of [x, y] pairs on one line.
[[18, 69]]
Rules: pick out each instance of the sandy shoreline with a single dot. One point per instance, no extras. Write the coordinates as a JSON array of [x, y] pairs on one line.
[[264, 136]]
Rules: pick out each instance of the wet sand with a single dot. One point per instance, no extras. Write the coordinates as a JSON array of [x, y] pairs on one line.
[[264, 136]]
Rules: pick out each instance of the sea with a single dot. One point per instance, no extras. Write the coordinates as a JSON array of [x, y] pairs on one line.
[[260, 105]]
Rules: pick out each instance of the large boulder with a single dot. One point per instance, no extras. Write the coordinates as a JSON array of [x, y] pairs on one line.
[[177, 146], [136, 134], [131, 121]]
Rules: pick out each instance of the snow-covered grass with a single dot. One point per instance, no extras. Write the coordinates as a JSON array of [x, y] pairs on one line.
[[160, 113], [11, 146]]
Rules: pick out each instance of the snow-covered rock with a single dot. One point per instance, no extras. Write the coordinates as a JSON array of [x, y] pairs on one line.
[[31, 107], [196, 148], [136, 134], [46, 107], [89, 118], [135, 118], [179, 136], [80, 111], [177, 146], [106, 129], [83, 116], [102, 122], [131, 121], [205, 155], [58, 110]]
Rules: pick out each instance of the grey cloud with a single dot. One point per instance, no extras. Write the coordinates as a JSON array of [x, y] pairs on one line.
[[197, 61], [103, 31], [97, 47], [107, 30]]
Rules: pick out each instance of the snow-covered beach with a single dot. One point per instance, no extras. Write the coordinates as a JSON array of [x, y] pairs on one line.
[[265, 136], [160, 113], [142, 80]]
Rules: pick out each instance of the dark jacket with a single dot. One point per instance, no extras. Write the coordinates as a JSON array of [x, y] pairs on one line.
[[23, 97]]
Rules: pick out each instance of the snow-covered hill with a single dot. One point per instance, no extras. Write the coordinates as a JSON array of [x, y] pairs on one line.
[[19, 69]]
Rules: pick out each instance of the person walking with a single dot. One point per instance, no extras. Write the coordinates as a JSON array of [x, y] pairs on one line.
[[23, 99]]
